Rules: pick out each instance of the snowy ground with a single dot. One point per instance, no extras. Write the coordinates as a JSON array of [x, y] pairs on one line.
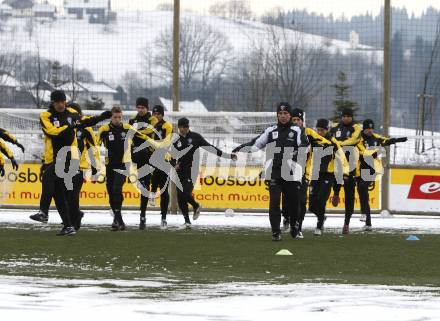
[[397, 223], [24, 298]]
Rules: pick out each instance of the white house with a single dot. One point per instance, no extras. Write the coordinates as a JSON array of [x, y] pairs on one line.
[[195, 106], [83, 91], [5, 10], [81, 9], [8, 84], [44, 11], [20, 8]]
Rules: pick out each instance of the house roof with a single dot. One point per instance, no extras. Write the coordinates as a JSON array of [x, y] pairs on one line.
[[8, 81], [90, 4], [195, 106], [94, 87], [5, 7], [45, 7], [20, 4]]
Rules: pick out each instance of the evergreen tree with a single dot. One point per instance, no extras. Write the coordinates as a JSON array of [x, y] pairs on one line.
[[342, 97]]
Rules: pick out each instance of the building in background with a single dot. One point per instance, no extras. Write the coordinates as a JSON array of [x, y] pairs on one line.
[[96, 11], [5, 10], [44, 11], [195, 106], [92, 95], [20, 8]]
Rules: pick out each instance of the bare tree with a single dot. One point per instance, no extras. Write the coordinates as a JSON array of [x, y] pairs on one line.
[[218, 9], [29, 27], [431, 86], [298, 66], [32, 74], [165, 6], [203, 53], [147, 66], [256, 78], [239, 9]]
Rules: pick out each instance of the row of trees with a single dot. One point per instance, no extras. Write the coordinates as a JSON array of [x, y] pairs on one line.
[[283, 66]]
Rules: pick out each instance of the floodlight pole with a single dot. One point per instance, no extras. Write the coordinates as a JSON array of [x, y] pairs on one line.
[[176, 47], [176, 88], [386, 103]]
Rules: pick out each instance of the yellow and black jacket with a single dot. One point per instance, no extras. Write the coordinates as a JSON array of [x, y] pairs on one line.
[[118, 143], [4, 150], [369, 147], [163, 131], [145, 130], [348, 135], [88, 148], [327, 163], [59, 133], [7, 137]]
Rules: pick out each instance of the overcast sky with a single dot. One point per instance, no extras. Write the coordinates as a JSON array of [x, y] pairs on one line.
[[337, 7]]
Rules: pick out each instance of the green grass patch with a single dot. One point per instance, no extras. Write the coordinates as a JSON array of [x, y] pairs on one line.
[[209, 256]]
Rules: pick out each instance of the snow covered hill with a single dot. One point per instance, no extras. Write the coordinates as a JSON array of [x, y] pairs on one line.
[[110, 52]]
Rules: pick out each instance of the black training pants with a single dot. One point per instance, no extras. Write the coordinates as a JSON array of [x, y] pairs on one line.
[[319, 193], [184, 196], [349, 189], [114, 183], [290, 191], [160, 179], [364, 197]]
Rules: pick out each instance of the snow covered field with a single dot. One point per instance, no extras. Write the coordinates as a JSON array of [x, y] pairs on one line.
[[166, 298], [398, 223], [23, 298]]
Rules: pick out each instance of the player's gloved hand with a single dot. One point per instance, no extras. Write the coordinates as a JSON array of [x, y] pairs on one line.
[[374, 155], [335, 200], [236, 149], [14, 164], [401, 139], [2, 171], [234, 157], [240, 147], [43, 168], [20, 146], [94, 171], [105, 115]]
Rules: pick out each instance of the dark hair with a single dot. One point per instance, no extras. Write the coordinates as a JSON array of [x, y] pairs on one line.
[[158, 109], [75, 106], [142, 101], [57, 96], [116, 109], [183, 122], [322, 123]]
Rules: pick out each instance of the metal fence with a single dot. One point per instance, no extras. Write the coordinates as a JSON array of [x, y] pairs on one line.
[[380, 57]]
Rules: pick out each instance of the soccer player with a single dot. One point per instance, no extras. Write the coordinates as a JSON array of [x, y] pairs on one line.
[[368, 170], [7, 137], [47, 172], [315, 140], [144, 123], [59, 127], [88, 147], [280, 139], [190, 142], [320, 188], [116, 138], [162, 132], [4, 150], [347, 132]]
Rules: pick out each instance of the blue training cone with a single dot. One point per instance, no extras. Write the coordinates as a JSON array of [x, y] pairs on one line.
[[412, 238]]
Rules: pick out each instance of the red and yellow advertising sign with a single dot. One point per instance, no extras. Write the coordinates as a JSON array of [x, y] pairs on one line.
[[415, 190], [216, 188]]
